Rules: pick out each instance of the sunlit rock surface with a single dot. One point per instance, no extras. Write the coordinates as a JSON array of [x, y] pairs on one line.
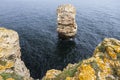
[[103, 65], [11, 65], [67, 27]]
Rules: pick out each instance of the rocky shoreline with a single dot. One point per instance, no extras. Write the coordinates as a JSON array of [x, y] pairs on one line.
[[103, 65]]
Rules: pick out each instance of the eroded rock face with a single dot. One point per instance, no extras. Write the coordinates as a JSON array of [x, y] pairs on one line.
[[67, 27], [103, 65], [11, 65]]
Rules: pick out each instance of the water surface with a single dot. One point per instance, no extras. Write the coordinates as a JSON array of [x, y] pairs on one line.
[[35, 21]]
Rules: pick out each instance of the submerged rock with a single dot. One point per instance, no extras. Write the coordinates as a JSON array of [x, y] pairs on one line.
[[11, 65], [103, 65], [67, 27]]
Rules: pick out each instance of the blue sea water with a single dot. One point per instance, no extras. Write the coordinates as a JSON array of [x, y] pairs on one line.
[[35, 21]]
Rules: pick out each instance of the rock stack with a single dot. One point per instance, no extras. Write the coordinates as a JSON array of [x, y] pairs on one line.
[[11, 65], [67, 26]]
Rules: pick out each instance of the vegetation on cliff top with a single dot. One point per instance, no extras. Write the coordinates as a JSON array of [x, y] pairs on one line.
[[103, 65]]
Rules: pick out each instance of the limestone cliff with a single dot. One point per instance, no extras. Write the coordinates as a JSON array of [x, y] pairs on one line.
[[11, 65], [103, 65]]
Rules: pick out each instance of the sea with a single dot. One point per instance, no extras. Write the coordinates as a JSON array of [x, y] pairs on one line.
[[36, 23]]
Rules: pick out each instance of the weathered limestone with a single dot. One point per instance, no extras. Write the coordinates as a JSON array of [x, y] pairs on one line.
[[67, 27], [11, 65], [103, 65]]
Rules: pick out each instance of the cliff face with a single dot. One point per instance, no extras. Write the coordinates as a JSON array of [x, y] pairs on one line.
[[103, 65], [11, 65]]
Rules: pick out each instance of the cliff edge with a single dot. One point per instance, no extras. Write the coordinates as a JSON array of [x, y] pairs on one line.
[[11, 65], [103, 65]]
